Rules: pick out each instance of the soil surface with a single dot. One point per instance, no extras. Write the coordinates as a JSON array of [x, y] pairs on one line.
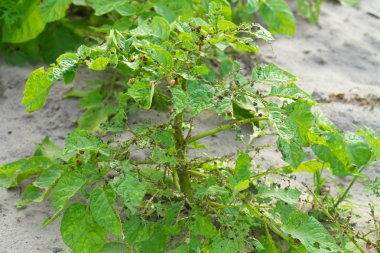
[[338, 62]]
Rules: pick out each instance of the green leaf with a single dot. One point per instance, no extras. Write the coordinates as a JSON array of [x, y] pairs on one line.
[[52, 10], [48, 180], [291, 152], [134, 228], [37, 88], [28, 27], [253, 6], [94, 117], [130, 189], [228, 245], [115, 247], [80, 232], [306, 229], [157, 27], [327, 155], [299, 121], [278, 118], [267, 193], [349, 2], [82, 140], [157, 241], [48, 149], [373, 141], [12, 174], [99, 64], [311, 166], [309, 9], [179, 99], [271, 74], [357, 149], [102, 7], [160, 28], [66, 188], [290, 91], [170, 10], [142, 93], [31, 193], [102, 209], [180, 249], [243, 167], [278, 16], [161, 56], [202, 225], [67, 68], [160, 156], [92, 99], [262, 33], [225, 25], [200, 96]]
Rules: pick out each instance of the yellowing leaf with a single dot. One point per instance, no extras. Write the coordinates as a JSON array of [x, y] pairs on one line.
[[99, 64], [28, 27], [37, 88]]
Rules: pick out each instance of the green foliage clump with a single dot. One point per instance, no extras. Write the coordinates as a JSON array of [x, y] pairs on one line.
[[182, 64], [32, 30]]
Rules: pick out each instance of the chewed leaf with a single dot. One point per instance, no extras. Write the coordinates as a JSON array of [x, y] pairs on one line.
[[290, 196], [271, 74], [291, 152], [12, 174], [306, 229], [80, 232], [37, 88], [290, 91], [200, 96], [130, 190], [179, 99], [160, 55], [158, 27], [66, 68], [142, 93], [50, 150], [82, 140]]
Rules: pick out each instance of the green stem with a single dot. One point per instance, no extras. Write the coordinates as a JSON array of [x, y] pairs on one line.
[[341, 198], [223, 128], [181, 169]]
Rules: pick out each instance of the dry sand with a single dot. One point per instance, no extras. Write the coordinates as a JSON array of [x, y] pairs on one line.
[[337, 61]]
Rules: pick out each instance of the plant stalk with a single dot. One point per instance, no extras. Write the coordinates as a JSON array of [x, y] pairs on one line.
[[223, 128], [180, 143], [341, 198]]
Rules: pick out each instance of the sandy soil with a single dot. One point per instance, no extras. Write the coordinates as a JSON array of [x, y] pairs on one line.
[[337, 61]]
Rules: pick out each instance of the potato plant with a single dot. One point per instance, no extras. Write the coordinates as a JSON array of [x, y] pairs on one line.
[[114, 199], [33, 30]]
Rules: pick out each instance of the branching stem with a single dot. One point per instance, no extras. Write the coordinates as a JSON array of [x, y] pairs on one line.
[[223, 128]]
